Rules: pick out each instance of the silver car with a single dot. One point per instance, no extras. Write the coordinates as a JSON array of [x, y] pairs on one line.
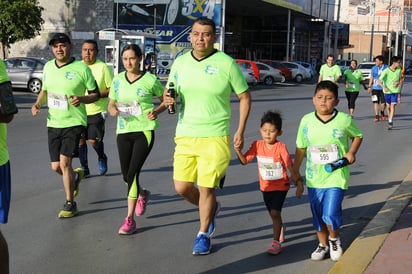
[[26, 72], [249, 76], [299, 73], [269, 75]]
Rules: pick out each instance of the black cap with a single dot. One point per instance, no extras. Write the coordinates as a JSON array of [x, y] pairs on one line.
[[59, 37]]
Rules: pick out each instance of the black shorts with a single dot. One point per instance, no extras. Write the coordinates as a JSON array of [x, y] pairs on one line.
[[274, 199], [95, 128], [379, 95], [63, 141]]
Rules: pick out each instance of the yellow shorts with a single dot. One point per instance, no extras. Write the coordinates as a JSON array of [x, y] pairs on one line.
[[201, 160]]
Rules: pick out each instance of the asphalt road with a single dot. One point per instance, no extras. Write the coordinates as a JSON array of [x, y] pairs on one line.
[[39, 242]]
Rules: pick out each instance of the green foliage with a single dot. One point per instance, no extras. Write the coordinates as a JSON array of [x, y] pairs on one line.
[[19, 20]]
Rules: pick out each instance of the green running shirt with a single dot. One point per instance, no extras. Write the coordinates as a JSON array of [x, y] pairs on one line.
[[60, 83], [205, 88], [320, 139], [137, 97]]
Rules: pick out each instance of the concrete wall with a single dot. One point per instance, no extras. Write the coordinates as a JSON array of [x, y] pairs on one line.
[[76, 17]]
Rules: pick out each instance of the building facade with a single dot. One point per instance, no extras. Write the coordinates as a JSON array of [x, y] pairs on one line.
[[254, 29]]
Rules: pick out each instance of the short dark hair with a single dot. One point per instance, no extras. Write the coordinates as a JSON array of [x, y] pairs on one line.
[[329, 85], [395, 59], [379, 57], [91, 41], [206, 22], [137, 50], [272, 117]]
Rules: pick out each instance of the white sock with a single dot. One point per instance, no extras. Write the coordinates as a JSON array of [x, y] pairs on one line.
[[202, 233]]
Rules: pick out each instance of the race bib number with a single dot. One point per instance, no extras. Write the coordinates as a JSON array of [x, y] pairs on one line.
[[351, 85], [330, 78], [129, 109], [269, 169], [324, 154], [57, 101], [374, 98]]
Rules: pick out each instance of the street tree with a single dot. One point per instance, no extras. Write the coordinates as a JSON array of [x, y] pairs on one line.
[[19, 20]]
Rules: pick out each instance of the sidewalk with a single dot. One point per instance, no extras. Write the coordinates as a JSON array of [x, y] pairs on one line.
[[385, 244]]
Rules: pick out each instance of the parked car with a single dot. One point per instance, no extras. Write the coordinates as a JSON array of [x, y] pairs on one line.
[[307, 66], [26, 72], [299, 73], [278, 65], [249, 76], [249, 64], [269, 75], [366, 68]]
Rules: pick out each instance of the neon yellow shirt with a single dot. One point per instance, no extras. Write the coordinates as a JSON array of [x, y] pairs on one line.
[[204, 88], [322, 141], [104, 77], [59, 83], [389, 77], [4, 152], [330, 73], [134, 100], [3, 72]]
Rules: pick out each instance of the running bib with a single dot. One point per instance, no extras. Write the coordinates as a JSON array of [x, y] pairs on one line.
[[57, 101], [374, 98], [129, 109], [324, 154], [351, 85], [269, 169], [330, 78]]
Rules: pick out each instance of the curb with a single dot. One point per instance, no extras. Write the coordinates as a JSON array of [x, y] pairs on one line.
[[364, 248]]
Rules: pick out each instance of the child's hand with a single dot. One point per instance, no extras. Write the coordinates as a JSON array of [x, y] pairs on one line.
[[238, 147], [299, 188]]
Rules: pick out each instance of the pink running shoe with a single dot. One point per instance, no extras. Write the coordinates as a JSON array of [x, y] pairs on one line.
[[128, 227], [275, 248], [141, 203]]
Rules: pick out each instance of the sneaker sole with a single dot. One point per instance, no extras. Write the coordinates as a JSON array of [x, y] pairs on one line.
[[63, 215], [273, 252], [196, 253], [127, 233]]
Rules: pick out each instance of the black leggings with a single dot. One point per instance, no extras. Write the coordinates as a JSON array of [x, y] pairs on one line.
[[133, 150], [351, 96]]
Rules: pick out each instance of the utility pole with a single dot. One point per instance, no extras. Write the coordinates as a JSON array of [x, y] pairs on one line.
[[372, 29], [335, 44], [388, 42]]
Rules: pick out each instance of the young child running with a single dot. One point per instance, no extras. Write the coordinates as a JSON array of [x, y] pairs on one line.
[[273, 161], [323, 135]]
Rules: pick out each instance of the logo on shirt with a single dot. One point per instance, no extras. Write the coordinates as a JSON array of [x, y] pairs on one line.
[[70, 75], [211, 70], [141, 92], [338, 133]]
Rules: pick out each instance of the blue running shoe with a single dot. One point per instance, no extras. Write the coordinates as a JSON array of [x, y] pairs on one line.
[[212, 225], [103, 165], [201, 245]]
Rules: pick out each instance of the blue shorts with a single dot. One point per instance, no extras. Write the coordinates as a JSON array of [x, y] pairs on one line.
[[326, 207], [391, 98], [5, 192]]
